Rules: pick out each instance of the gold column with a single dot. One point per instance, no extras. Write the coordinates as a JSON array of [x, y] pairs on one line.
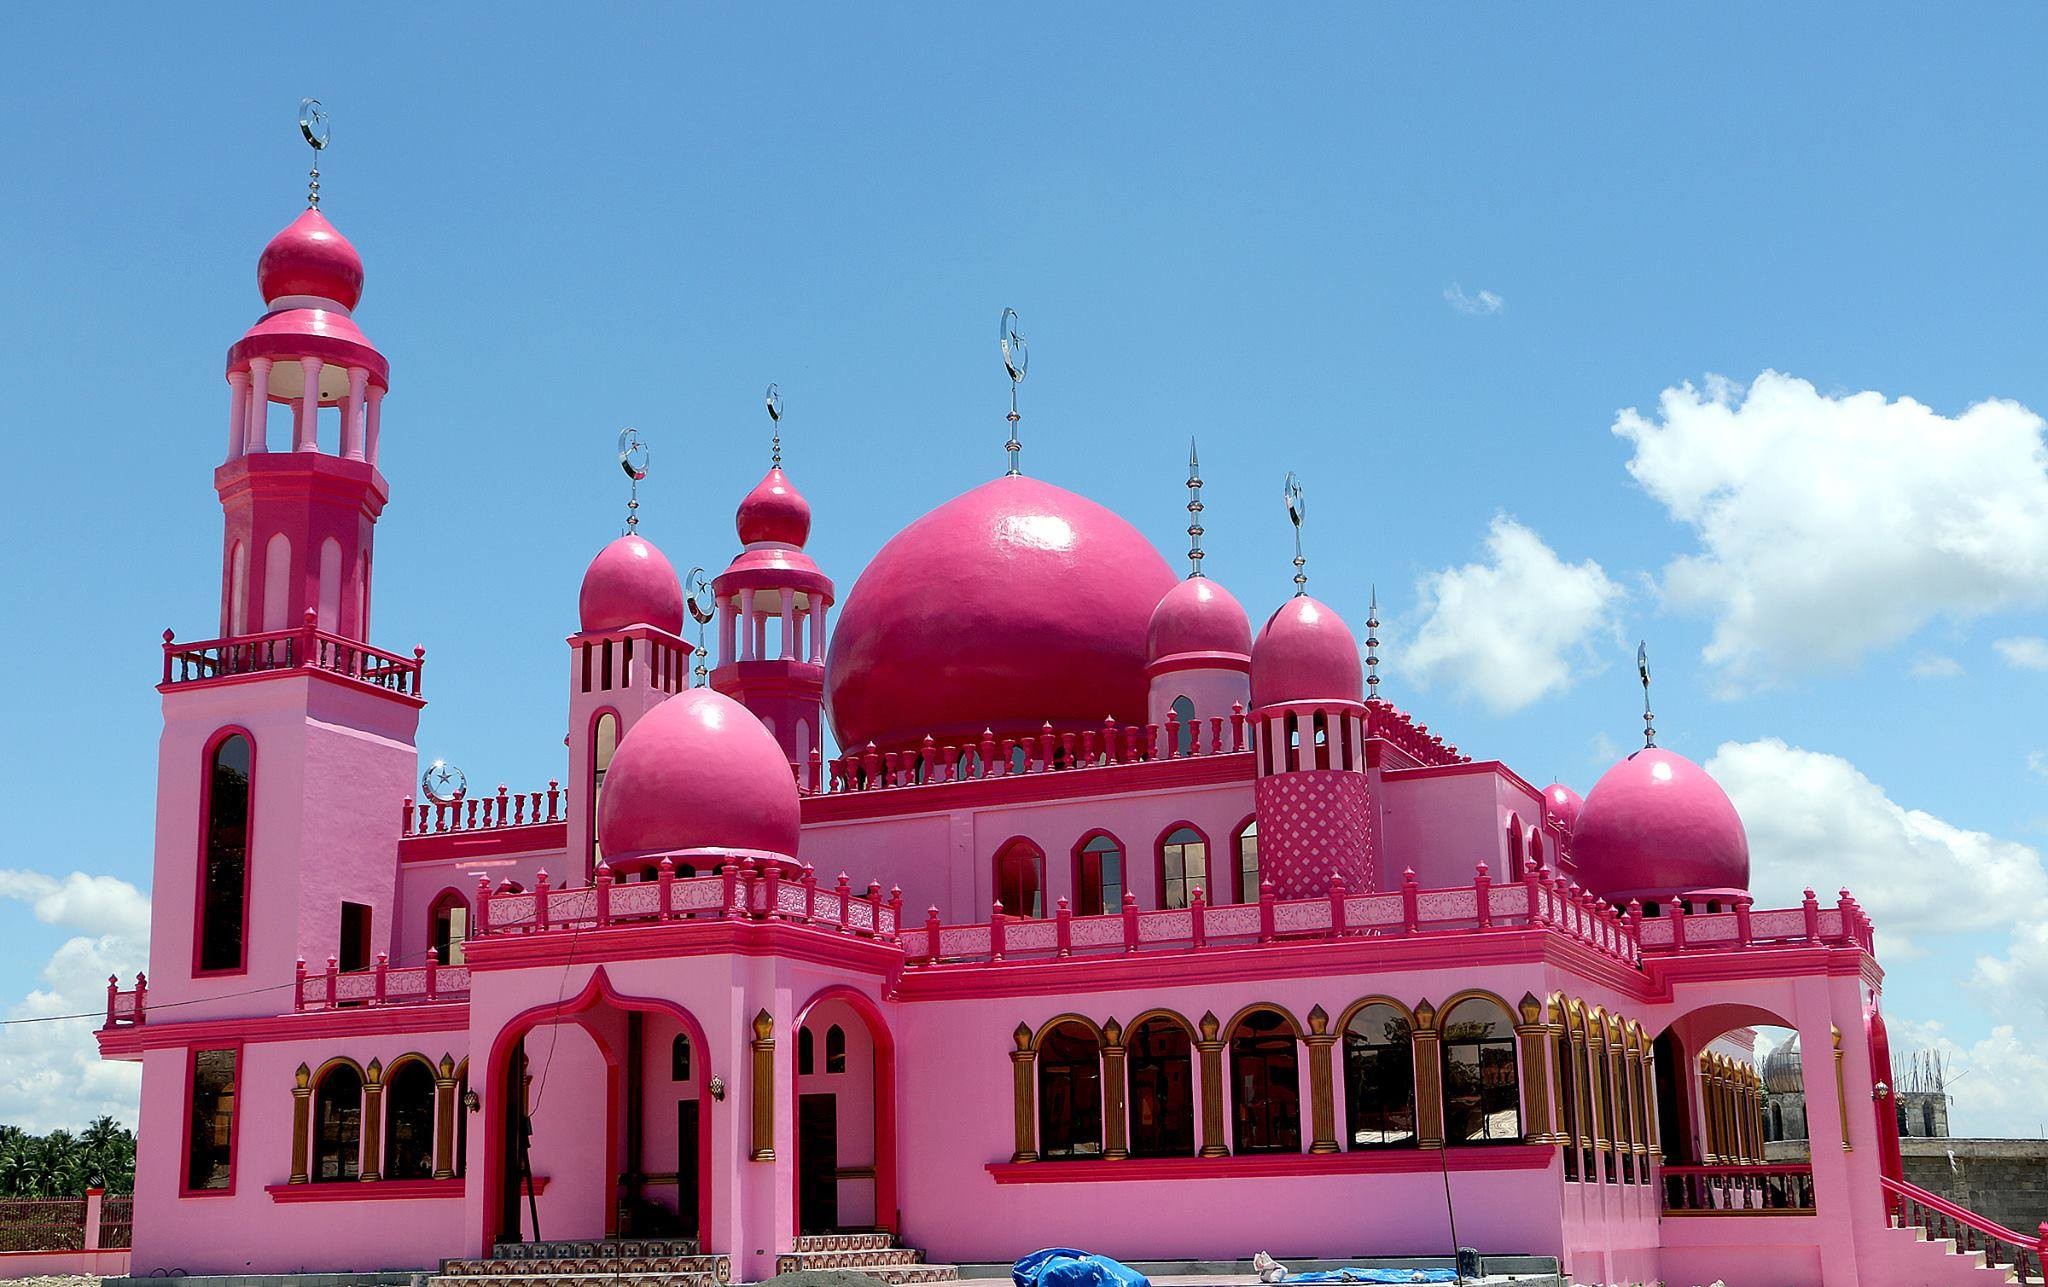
[[1638, 1101], [1534, 1035], [1652, 1121], [1596, 1103], [763, 1046], [302, 1117], [1211, 1046], [1842, 1092], [373, 1121], [1020, 1083], [1322, 1093], [1116, 1117], [444, 1118], [1429, 1079], [1617, 1096]]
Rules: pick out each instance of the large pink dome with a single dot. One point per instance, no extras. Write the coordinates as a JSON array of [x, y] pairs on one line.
[[698, 773], [630, 583], [1201, 617], [310, 258], [1008, 607], [1306, 653], [1655, 825]]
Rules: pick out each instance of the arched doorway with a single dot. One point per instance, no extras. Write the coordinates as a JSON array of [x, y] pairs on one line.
[[576, 1094], [844, 1085]]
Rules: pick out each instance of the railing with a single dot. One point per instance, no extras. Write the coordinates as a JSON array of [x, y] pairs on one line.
[[1914, 1207], [307, 648], [739, 891], [338, 989], [1843, 925], [126, 1009], [486, 813], [1539, 899], [1776, 1189]]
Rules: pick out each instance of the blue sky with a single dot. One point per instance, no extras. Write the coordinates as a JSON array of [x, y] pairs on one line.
[[1425, 259]]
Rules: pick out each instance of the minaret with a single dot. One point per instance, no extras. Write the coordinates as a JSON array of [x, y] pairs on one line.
[[288, 740], [1198, 648], [772, 601]]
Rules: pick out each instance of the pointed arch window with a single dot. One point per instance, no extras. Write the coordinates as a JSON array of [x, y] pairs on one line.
[[1099, 876], [1379, 1078], [409, 1122], [1265, 1084], [1183, 866], [1184, 711], [448, 928], [806, 1052], [835, 1049], [1069, 1092], [604, 743], [1482, 1093], [1248, 863], [224, 878], [679, 1058], [1160, 1068], [338, 1125], [1020, 878]]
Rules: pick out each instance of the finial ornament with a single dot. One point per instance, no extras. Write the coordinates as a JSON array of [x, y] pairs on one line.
[[1297, 510], [633, 458], [1372, 646], [703, 606], [1195, 528], [1016, 359], [313, 124], [443, 783], [773, 399], [1643, 669]]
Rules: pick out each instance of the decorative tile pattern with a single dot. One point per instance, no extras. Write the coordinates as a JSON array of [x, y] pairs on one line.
[[1313, 822]]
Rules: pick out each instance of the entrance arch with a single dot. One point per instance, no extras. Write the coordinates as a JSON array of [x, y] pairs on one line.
[[841, 1005], [600, 1013]]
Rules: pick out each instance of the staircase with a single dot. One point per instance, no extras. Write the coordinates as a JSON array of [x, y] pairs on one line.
[[1918, 1257], [1939, 1242], [609, 1262], [873, 1254]]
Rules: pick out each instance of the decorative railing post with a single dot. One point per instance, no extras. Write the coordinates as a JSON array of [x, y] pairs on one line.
[[763, 1047], [874, 902], [1532, 880], [383, 967], [1482, 895], [333, 973], [1338, 893], [665, 882], [540, 899], [1410, 914], [603, 896], [1063, 927], [771, 874], [1198, 916], [895, 913], [1211, 1046], [1116, 1119], [1237, 726], [1811, 907], [1024, 1114], [729, 878], [433, 973], [1171, 746], [1266, 918], [1322, 1096], [1130, 910], [307, 624], [483, 906], [1678, 924], [995, 932], [114, 990], [845, 891], [1847, 907], [931, 932], [1429, 1095], [141, 998]]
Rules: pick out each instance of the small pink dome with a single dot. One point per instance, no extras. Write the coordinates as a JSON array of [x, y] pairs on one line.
[[698, 772], [1561, 805], [630, 583], [1655, 825], [310, 258], [774, 511], [1198, 615], [1306, 654]]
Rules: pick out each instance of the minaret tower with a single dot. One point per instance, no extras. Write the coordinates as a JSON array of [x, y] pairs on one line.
[[1198, 647], [288, 740], [772, 601]]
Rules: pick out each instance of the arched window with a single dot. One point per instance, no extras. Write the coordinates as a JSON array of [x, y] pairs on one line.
[[835, 1049], [1020, 879], [329, 617], [806, 1052], [679, 1058], [1069, 1092], [1265, 1084], [224, 883], [277, 581], [1482, 1097], [238, 590], [449, 928], [1099, 876], [338, 1124], [409, 1122], [1183, 866], [1248, 863], [603, 745], [1162, 1089], [1184, 711], [1379, 1078]]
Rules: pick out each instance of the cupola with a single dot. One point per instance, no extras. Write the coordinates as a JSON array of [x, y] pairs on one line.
[[698, 775]]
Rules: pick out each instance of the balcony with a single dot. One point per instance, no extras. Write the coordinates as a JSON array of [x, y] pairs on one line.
[[308, 649]]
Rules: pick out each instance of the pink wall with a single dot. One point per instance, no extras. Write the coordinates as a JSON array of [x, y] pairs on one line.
[[853, 1092], [1442, 821]]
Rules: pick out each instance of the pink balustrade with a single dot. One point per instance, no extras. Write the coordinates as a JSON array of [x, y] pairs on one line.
[[485, 813], [1776, 1189], [1845, 924], [739, 891], [1913, 1207], [380, 985], [306, 648]]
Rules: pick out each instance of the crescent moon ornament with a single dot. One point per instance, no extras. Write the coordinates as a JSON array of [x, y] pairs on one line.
[[1016, 353], [773, 398], [1297, 510], [313, 123], [443, 783], [703, 604], [633, 455]]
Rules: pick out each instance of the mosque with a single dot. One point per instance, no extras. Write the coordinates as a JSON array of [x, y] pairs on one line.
[[1099, 920]]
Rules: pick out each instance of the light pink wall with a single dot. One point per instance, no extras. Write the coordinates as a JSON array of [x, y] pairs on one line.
[[571, 1130], [854, 1098], [1442, 823]]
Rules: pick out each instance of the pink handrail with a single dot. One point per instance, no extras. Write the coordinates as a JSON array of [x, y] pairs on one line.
[[306, 648], [1912, 1205], [485, 813], [740, 890]]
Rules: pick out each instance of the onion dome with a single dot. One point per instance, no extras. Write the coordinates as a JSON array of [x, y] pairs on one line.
[[1306, 653], [1655, 825], [1200, 620], [311, 258], [630, 583], [1561, 805], [774, 512], [1011, 606], [1780, 1070], [698, 774]]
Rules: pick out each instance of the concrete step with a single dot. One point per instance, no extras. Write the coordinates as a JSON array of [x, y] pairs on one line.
[[589, 1248], [880, 1258], [572, 1280], [877, 1240], [501, 1268]]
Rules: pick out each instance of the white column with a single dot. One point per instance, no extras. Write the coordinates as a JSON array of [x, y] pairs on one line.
[[747, 624], [238, 412], [352, 414], [370, 417], [259, 407], [726, 631], [788, 625], [306, 432], [817, 629]]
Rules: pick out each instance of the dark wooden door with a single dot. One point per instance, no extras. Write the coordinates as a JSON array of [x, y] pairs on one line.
[[688, 1148], [817, 1150]]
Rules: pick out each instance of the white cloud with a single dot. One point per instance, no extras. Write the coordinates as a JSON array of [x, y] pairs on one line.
[[2037, 764], [51, 1074], [1515, 628], [2017, 982], [1831, 526], [1934, 665], [2023, 652], [1994, 1085], [1483, 304]]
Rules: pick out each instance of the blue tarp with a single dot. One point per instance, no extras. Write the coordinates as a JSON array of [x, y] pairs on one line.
[[1375, 1276], [1066, 1267]]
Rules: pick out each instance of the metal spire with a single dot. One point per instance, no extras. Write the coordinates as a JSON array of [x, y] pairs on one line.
[[1372, 645], [313, 124], [774, 400], [1297, 509], [1195, 528], [1643, 669], [633, 458], [703, 606], [1016, 358]]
